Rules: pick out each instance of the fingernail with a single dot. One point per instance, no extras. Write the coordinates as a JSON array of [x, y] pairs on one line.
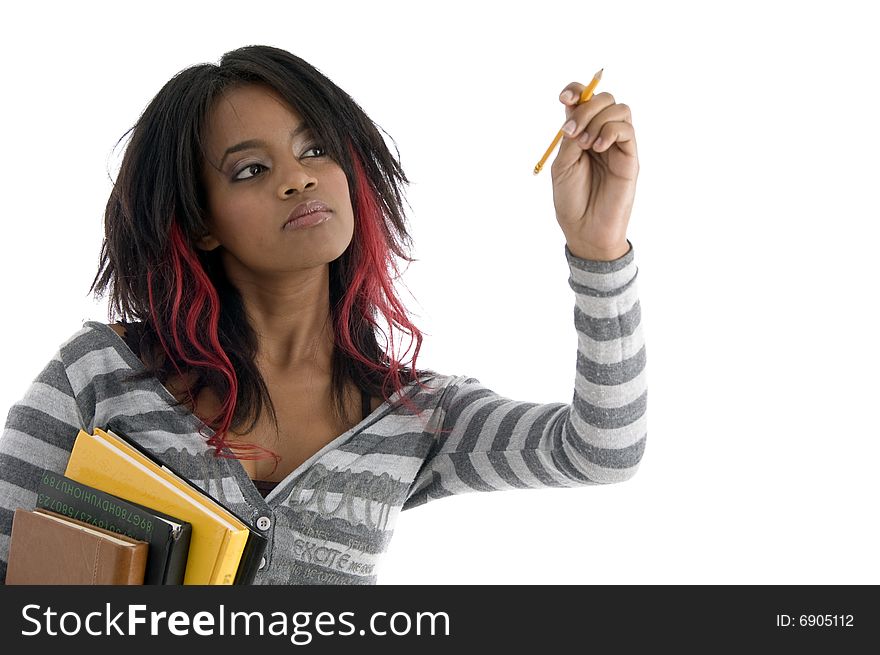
[[568, 128], [598, 143], [566, 96]]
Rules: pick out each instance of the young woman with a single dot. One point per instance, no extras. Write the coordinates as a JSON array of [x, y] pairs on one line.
[[249, 254]]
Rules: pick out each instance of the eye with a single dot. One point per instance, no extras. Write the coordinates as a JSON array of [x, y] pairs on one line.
[[318, 147], [249, 167]]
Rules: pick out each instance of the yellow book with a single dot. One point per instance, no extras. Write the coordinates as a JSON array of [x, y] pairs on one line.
[[107, 462], [228, 560]]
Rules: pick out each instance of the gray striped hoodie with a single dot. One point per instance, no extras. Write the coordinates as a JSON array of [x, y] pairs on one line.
[[330, 520]]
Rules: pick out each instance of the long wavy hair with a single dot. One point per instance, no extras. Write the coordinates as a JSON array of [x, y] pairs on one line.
[[178, 296]]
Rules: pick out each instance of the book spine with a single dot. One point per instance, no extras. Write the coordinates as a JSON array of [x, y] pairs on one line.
[[250, 559], [119, 566], [229, 558], [136, 566], [93, 506], [175, 568]]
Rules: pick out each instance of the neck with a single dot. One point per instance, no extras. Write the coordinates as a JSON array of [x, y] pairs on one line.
[[291, 316]]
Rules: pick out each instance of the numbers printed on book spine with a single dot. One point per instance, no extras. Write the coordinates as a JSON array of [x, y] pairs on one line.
[[104, 505]]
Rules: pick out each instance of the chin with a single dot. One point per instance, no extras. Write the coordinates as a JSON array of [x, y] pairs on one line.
[[328, 251]]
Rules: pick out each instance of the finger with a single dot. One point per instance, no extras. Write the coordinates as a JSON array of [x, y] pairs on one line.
[[575, 89], [620, 133], [612, 114], [595, 112], [585, 112], [571, 97]]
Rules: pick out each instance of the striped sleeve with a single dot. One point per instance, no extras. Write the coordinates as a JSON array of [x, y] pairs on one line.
[[491, 443], [39, 434]]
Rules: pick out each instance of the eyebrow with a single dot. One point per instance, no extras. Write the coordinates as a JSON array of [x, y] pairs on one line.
[[259, 143]]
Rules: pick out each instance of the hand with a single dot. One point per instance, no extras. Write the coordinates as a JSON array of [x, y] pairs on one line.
[[594, 186]]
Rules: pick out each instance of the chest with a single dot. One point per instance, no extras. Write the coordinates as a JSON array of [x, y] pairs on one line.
[[307, 417], [307, 420], [302, 430]]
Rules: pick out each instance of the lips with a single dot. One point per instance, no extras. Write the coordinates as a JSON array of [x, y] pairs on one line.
[[304, 209]]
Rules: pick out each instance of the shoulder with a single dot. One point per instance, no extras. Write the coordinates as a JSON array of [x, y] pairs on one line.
[[117, 328], [89, 352], [130, 340], [102, 345]]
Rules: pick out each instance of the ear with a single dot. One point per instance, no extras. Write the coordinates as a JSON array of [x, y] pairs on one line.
[[207, 242]]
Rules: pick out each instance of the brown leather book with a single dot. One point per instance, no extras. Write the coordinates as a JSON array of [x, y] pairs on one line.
[[48, 548]]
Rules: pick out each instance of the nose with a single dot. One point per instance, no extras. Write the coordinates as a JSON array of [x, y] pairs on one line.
[[297, 178]]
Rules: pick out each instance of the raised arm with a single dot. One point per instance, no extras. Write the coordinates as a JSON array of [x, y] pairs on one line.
[[490, 442]]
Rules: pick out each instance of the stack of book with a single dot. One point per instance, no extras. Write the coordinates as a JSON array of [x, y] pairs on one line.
[[118, 515]]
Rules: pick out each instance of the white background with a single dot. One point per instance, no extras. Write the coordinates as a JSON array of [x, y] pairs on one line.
[[754, 227]]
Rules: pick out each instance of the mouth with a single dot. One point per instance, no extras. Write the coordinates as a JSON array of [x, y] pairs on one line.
[[308, 220], [306, 214]]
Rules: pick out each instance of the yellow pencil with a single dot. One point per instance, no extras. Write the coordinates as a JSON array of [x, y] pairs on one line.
[[586, 95]]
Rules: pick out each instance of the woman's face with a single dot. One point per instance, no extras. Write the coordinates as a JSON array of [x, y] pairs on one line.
[[252, 188]]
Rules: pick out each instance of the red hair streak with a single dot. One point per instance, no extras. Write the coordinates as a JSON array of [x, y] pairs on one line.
[[372, 288], [194, 311]]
